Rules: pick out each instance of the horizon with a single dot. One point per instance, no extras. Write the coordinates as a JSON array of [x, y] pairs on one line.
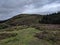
[[10, 8], [28, 14]]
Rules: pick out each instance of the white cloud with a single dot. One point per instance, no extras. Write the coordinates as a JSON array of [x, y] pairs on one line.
[[49, 8]]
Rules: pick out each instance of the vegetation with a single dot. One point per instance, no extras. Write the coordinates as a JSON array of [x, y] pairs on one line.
[[31, 29], [51, 19]]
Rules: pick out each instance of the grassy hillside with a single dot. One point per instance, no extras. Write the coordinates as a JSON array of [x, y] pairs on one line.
[[30, 20], [22, 19], [29, 36], [30, 29]]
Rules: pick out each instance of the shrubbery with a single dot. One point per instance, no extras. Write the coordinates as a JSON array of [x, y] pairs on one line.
[[51, 19], [3, 26], [49, 36]]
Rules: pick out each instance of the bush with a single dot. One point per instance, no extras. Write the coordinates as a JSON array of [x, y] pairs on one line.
[[7, 35], [3, 26], [50, 36]]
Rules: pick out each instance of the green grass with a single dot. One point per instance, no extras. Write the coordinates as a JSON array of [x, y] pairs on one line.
[[24, 37]]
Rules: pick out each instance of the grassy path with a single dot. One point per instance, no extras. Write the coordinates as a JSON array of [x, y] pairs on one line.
[[24, 37]]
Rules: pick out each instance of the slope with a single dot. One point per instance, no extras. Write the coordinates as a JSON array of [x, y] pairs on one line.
[[25, 36]]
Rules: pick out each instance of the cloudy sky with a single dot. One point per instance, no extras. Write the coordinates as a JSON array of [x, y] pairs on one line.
[[10, 8]]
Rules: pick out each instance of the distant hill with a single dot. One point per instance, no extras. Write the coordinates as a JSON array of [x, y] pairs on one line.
[[31, 19], [22, 19]]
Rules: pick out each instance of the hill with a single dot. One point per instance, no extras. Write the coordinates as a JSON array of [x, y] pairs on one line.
[[22, 19], [30, 29], [31, 20]]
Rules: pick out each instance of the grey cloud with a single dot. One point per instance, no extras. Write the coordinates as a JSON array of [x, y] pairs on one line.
[[46, 9], [10, 8]]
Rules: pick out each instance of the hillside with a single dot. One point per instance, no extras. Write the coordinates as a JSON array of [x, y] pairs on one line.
[[30, 29], [23, 35], [22, 19], [31, 20]]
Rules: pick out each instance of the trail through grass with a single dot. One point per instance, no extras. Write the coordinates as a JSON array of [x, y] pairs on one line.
[[24, 37]]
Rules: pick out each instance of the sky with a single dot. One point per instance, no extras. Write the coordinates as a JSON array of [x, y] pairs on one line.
[[10, 8]]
